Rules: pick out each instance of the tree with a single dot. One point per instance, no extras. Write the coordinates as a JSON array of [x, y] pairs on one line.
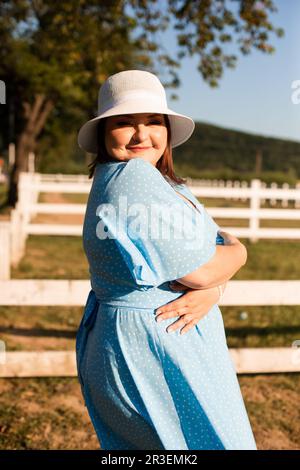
[[55, 55]]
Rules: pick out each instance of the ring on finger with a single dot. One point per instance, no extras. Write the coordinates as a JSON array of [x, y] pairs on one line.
[[175, 327]]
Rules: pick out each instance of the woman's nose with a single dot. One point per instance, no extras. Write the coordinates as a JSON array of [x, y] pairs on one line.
[[141, 131]]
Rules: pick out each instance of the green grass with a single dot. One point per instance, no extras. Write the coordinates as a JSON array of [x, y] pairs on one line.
[[52, 257], [270, 260], [267, 326]]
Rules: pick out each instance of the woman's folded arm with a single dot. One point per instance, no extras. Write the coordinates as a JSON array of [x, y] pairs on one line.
[[227, 260]]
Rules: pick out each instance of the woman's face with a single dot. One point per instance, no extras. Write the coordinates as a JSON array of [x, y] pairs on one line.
[[140, 135]]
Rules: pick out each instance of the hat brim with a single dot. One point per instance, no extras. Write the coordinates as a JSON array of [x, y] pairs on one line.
[[182, 126]]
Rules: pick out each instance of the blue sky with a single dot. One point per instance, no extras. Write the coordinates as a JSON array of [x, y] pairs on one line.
[[255, 96]]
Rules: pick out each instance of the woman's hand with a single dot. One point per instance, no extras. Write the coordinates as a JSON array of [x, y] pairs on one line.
[[190, 307]]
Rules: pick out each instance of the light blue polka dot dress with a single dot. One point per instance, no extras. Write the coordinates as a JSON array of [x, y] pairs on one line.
[[145, 388]]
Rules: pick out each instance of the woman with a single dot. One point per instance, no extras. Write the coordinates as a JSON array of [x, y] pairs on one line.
[[144, 387]]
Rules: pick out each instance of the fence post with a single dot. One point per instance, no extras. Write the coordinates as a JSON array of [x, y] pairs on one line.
[[254, 206], [20, 217], [4, 251], [17, 245], [263, 185], [297, 201], [229, 185], [31, 162], [36, 178], [236, 184], [24, 202], [11, 154], [273, 201], [244, 184], [284, 201], [14, 248]]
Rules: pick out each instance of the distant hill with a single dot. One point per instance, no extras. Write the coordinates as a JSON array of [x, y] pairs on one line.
[[228, 153]]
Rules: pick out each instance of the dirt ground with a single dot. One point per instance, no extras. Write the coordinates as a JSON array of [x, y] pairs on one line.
[[49, 413], [44, 413]]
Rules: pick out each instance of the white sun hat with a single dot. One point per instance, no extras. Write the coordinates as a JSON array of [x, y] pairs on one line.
[[134, 91]]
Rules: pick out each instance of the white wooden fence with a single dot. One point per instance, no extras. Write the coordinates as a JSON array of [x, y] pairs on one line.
[[257, 193], [74, 293], [214, 183], [13, 235], [64, 292]]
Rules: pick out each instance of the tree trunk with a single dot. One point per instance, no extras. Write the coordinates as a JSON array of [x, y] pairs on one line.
[[36, 115]]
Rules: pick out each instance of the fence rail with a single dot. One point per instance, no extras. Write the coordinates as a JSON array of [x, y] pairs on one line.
[[63, 363], [74, 293]]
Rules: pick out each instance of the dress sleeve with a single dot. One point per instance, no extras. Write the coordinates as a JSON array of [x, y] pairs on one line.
[[219, 239], [159, 236]]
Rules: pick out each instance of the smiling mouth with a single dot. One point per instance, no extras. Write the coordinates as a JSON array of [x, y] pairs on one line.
[[139, 148]]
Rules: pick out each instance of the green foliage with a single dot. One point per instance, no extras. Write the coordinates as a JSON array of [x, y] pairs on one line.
[[65, 50], [55, 55], [205, 26]]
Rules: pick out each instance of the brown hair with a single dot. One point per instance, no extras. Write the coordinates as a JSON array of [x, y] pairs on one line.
[[164, 164]]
